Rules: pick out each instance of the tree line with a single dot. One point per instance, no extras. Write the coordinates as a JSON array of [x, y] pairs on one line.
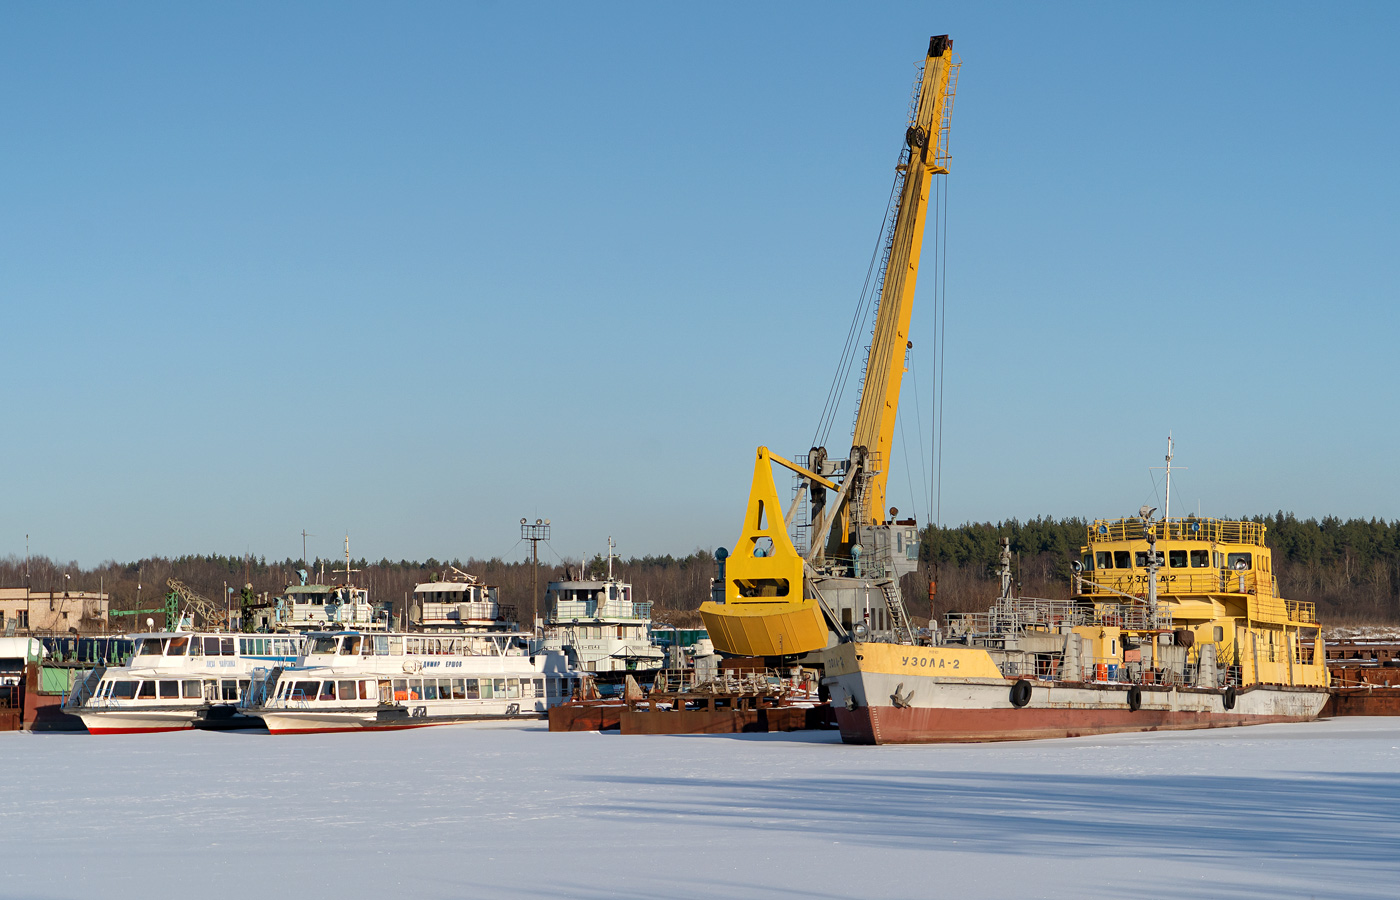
[[1350, 569]]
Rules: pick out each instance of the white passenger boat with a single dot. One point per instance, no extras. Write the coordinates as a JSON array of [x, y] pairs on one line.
[[600, 626], [349, 681], [177, 680]]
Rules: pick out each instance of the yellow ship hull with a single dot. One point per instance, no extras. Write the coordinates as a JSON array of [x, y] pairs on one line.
[[780, 628]]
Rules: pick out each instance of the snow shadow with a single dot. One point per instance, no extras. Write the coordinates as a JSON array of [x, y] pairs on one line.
[[1346, 818]]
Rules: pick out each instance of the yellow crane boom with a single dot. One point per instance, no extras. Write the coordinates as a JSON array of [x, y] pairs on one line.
[[927, 138], [777, 601]]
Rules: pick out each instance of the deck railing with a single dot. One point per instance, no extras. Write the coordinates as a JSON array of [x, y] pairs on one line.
[[1188, 529]]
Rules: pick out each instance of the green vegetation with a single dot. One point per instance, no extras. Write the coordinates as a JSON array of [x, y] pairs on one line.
[[1350, 569]]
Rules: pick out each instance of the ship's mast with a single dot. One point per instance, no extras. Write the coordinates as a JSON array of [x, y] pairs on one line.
[[1167, 512]]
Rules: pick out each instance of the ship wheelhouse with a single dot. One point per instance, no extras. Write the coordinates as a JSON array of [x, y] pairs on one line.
[[1200, 585]]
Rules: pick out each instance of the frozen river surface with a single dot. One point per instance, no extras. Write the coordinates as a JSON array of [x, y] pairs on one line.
[[513, 811]]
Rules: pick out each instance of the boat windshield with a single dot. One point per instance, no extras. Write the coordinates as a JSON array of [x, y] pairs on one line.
[[179, 646], [149, 647], [322, 645]]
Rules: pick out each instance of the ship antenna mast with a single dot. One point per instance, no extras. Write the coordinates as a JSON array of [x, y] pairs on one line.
[[611, 556], [1167, 505]]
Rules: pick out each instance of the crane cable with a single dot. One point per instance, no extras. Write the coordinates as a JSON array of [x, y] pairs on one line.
[[866, 299]]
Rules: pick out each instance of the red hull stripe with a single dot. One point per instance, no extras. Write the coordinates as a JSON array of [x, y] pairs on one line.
[[342, 729], [889, 725], [92, 730]]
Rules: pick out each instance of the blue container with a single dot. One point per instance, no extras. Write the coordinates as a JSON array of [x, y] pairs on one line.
[[1112, 672]]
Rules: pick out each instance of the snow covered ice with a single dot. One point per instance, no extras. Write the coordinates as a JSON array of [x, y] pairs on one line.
[[510, 810]]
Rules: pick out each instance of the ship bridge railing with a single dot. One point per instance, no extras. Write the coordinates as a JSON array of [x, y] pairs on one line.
[[1190, 528], [1011, 617]]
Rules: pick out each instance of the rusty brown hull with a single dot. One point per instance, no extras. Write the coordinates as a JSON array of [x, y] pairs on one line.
[[1363, 701], [890, 725], [585, 717], [720, 721]]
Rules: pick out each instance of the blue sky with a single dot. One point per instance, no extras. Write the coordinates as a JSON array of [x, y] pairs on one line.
[[412, 272]]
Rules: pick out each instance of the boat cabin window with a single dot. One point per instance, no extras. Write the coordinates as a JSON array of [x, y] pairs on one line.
[[1141, 559], [150, 647], [322, 644], [170, 690], [179, 646], [1103, 559], [192, 690], [148, 691], [347, 690], [1122, 559], [1200, 559], [1176, 559], [327, 691], [1219, 633], [306, 690], [1239, 561], [229, 689], [123, 690]]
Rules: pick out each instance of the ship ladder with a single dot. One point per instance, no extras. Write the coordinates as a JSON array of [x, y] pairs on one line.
[[84, 688], [900, 619]]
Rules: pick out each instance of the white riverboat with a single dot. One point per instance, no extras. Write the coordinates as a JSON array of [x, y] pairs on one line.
[[600, 626], [459, 602], [352, 681], [177, 680]]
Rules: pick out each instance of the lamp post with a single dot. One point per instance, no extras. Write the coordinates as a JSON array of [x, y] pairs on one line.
[[534, 534]]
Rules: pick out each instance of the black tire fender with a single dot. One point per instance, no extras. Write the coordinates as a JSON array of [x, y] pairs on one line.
[[1228, 698], [1020, 693], [1134, 698]]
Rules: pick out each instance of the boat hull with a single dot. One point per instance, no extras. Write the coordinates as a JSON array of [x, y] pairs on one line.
[[331, 721], [907, 707], [136, 721], [892, 725]]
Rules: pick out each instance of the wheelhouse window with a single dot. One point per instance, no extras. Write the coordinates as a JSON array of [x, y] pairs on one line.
[[149, 647], [1176, 559], [323, 645], [1141, 559], [1200, 559], [1122, 559], [350, 645], [179, 646], [1103, 560], [1239, 561]]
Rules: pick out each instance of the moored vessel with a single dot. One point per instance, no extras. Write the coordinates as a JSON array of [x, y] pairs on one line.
[[177, 680], [1172, 624], [348, 681], [600, 626]]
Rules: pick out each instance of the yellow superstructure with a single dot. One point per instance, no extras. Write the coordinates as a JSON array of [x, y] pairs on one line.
[[1208, 585], [778, 601]]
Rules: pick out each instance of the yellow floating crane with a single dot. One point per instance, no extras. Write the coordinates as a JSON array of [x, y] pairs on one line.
[[777, 601]]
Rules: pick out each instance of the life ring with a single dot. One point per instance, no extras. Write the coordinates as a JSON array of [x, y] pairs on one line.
[[1228, 698], [412, 665], [1134, 698], [1020, 693]]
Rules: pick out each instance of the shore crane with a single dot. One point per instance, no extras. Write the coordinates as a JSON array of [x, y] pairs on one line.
[[778, 601]]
